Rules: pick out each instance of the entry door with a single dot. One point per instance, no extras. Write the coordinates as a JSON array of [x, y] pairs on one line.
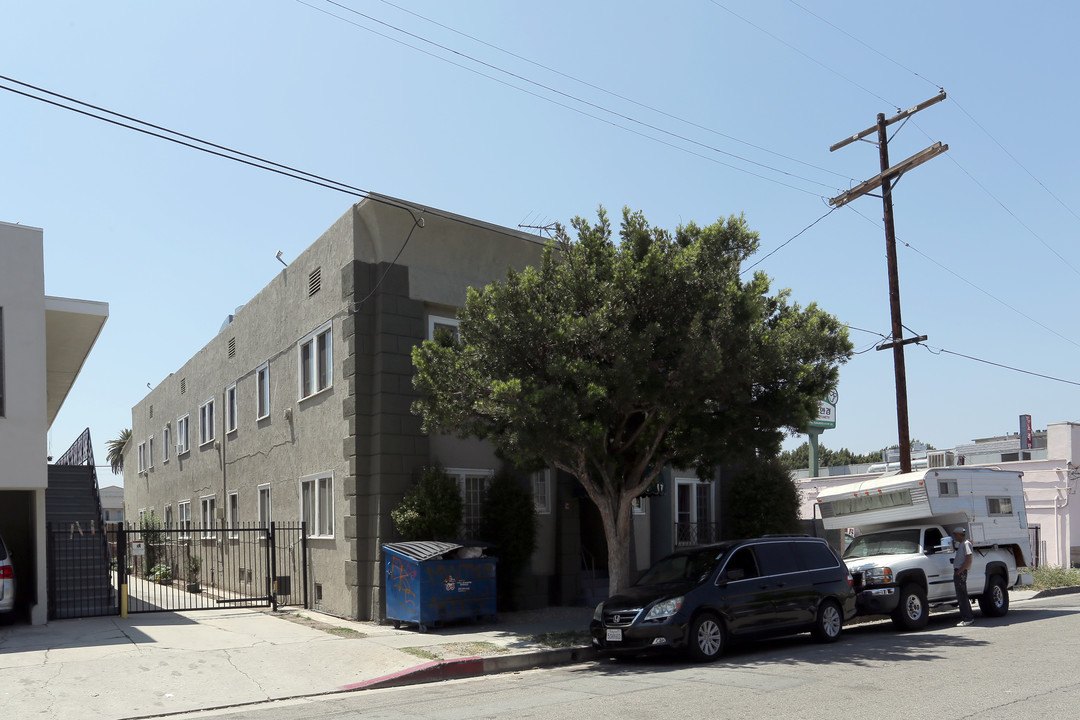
[[693, 513]]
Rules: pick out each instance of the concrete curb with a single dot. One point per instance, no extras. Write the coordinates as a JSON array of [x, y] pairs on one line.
[[1052, 592], [476, 666]]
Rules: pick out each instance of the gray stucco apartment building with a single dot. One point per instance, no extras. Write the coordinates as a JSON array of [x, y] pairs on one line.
[[299, 409]]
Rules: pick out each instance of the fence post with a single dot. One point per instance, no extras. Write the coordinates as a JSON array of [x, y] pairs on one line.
[[121, 569], [304, 560], [270, 569]]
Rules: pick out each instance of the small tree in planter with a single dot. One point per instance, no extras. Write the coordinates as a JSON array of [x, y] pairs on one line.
[[194, 567]]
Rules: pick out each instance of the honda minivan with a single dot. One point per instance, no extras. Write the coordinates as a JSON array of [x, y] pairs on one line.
[[698, 598]]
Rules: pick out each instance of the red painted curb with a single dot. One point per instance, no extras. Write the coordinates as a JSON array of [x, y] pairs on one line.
[[428, 672]]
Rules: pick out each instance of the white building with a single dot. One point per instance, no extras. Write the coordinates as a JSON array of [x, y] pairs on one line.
[[44, 342]]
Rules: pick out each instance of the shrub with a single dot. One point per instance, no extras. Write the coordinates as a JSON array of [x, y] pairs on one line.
[[1055, 577], [160, 573], [431, 509], [763, 500], [508, 521]]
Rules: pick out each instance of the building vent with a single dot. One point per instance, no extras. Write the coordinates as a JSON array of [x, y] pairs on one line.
[[232, 347], [183, 385], [151, 412], [314, 281], [941, 458]]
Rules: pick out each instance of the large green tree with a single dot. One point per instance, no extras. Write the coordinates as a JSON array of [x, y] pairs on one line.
[[616, 358]]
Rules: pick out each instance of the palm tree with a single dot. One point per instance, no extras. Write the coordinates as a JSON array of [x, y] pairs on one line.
[[116, 451]]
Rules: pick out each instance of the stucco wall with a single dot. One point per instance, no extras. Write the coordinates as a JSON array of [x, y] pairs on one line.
[[23, 440]]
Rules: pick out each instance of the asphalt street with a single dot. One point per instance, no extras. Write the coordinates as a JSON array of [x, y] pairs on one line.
[[1020, 667]]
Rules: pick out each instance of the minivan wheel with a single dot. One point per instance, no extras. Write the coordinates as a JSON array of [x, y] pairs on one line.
[[830, 621], [706, 640], [912, 613], [995, 601]]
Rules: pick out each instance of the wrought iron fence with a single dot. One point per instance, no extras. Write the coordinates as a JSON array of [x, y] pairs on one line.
[[696, 533]]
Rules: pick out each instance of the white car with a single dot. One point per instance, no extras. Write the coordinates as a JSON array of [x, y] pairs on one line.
[[7, 580]]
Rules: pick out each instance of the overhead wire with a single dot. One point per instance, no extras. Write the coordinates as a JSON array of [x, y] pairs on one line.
[[939, 351], [563, 94], [612, 93]]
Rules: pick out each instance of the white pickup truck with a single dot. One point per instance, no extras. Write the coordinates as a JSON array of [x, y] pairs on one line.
[[901, 556]]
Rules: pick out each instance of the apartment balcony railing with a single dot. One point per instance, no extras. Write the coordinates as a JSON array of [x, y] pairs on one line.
[[696, 533]]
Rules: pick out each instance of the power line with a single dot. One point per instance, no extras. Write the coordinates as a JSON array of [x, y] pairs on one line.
[[939, 351], [611, 93], [963, 279], [566, 95], [808, 57], [785, 243], [227, 153]]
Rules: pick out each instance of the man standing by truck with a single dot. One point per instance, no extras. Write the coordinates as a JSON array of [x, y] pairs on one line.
[[961, 563]]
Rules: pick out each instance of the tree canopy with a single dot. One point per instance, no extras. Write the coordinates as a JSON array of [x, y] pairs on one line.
[[116, 447], [614, 359]]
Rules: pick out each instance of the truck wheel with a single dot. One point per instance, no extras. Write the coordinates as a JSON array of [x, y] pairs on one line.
[[912, 613], [706, 640], [995, 601], [830, 621]]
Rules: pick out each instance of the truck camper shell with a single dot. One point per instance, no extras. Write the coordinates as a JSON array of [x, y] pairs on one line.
[[988, 502]]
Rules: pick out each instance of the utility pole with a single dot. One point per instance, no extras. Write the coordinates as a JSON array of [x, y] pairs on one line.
[[886, 180]]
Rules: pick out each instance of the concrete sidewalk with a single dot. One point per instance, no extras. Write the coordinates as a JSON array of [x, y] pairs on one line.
[[163, 663]]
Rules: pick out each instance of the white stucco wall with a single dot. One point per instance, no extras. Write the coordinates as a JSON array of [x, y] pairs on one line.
[[23, 441]]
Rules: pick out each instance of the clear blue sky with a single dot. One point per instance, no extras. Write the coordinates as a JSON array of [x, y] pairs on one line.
[[706, 109]]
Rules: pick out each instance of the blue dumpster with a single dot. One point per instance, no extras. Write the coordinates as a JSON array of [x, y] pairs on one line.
[[430, 582]]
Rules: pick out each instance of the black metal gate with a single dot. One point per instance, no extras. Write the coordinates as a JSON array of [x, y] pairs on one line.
[[152, 569]]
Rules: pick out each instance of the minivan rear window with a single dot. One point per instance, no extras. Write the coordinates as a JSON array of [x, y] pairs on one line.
[[816, 555]]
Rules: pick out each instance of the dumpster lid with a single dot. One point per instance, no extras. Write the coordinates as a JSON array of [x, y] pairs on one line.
[[422, 550]]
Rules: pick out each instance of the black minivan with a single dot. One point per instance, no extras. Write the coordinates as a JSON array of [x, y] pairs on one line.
[[696, 598]]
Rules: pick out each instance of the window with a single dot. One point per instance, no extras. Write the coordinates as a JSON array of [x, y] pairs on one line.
[[317, 504], [183, 439], [208, 505], [999, 505], [262, 381], [167, 514], [541, 484], [947, 488], [234, 513], [694, 512], [472, 484], [142, 457], [264, 506], [166, 440], [436, 323], [150, 452], [637, 505], [184, 518], [316, 359], [206, 422], [230, 408]]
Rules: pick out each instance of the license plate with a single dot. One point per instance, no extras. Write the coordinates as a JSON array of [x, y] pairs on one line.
[[614, 635]]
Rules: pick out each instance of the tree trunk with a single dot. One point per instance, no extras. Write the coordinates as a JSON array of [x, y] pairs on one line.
[[617, 534]]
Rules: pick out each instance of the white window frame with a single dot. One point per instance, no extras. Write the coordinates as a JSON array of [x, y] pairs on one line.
[[207, 511], [437, 321], [141, 453], [637, 505], [166, 438], [948, 488], [317, 504], [266, 510], [207, 423], [232, 513], [1002, 501], [150, 453], [183, 435], [470, 509], [183, 519], [692, 484], [167, 516], [262, 391], [311, 367], [541, 491], [230, 409]]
